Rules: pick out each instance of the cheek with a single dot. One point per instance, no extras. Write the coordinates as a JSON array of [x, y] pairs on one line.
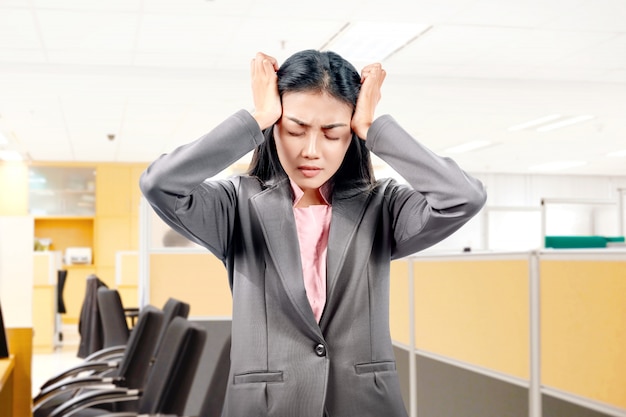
[[341, 149]]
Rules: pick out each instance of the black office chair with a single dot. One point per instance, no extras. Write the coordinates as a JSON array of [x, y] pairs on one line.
[[216, 392], [168, 384], [171, 309], [102, 361], [130, 372], [60, 309], [89, 325], [113, 318]]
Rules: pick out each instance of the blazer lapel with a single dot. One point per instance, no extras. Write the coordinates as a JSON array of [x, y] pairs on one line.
[[347, 214], [275, 211]]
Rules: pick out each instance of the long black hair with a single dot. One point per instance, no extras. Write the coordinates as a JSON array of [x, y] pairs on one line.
[[323, 72]]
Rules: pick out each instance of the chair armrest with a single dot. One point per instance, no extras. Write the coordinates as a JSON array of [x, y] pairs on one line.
[[105, 354], [92, 398], [92, 367], [74, 384], [134, 414]]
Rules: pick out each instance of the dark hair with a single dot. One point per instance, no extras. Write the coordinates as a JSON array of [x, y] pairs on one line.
[[324, 72]]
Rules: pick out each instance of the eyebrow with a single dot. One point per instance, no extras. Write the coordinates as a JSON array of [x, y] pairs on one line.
[[328, 126]]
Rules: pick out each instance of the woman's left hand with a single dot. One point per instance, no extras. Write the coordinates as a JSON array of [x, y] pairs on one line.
[[372, 78]]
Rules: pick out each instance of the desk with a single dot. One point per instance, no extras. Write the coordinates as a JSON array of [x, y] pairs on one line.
[[6, 386]]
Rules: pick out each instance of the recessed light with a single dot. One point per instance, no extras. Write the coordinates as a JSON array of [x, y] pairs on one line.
[[534, 122], [11, 156], [565, 122], [556, 166], [469, 146], [373, 41], [617, 154]]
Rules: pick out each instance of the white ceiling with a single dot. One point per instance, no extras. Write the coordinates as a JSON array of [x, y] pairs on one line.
[[158, 73]]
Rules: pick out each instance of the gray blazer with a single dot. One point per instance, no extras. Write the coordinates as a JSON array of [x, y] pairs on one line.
[[283, 363]]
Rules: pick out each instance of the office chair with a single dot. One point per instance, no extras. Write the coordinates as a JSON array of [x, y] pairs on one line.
[[168, 384], [115, 331], [171, 309], [60, 307], [130, 372], [89, 326], [102, 362], [216, 392]]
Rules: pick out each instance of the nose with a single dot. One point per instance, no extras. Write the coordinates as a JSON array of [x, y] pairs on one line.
[[310, 148]]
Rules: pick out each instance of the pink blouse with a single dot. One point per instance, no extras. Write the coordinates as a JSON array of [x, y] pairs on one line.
[[313, 224]]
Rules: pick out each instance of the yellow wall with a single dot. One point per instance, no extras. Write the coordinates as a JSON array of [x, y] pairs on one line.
[[44, 302], [20, 345], [583, 328], [113, 228], [199, 279], [475, 311]]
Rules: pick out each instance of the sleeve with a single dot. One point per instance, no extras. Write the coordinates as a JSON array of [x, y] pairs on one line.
[[440, 197], [175, 185]]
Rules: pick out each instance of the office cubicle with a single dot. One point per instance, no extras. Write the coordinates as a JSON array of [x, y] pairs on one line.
[[539, 333]]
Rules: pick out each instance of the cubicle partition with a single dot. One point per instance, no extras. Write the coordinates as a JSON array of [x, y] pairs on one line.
[[515, 334]]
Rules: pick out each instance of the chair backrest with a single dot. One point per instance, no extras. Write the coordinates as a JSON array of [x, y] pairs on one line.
[[135, 363], [171, 309], [173, 371], [112, 316], [89, 323], [216, 392]]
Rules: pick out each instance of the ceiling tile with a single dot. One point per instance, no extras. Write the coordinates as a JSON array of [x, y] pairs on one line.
[[69, 29], [520, 14], [18, 30], [109, 5], [21, 55], [591, 15], [193, 33]]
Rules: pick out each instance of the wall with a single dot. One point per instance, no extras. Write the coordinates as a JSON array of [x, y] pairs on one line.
[[519, 226], [16, 270]]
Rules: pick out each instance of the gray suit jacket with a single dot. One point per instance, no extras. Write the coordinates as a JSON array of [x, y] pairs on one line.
[[285, 364]]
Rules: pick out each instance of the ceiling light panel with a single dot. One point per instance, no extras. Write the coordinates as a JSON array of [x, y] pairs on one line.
[[469, 146], [373, 41], [534, 122], [10, 156], [556, 166], [617, 154], [566, 122]]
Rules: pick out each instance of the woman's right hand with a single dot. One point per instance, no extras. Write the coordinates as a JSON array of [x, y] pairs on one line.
[[267, 106]]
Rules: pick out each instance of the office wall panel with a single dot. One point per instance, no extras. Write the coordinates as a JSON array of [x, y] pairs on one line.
[[475, 311], [199, 279], [583, 328]]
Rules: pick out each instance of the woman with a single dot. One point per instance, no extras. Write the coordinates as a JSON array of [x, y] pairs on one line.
[[308, 235]]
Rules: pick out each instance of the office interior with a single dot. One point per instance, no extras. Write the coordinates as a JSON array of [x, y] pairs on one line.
[[520, 313]]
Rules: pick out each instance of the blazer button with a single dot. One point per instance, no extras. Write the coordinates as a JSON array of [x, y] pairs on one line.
[[320, 350]]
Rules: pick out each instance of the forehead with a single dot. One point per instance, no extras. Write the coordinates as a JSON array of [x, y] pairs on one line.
[[313, 107]]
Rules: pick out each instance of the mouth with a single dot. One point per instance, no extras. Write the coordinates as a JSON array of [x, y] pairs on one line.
[[309, 171]]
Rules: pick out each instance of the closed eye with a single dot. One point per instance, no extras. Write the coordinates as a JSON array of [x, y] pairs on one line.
[[295, 133]]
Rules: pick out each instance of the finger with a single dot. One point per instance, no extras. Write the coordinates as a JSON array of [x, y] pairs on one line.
[[272, 61], [269, 66], [260, 56]]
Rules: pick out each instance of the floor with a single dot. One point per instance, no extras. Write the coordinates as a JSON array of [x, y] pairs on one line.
[[46, 365]]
